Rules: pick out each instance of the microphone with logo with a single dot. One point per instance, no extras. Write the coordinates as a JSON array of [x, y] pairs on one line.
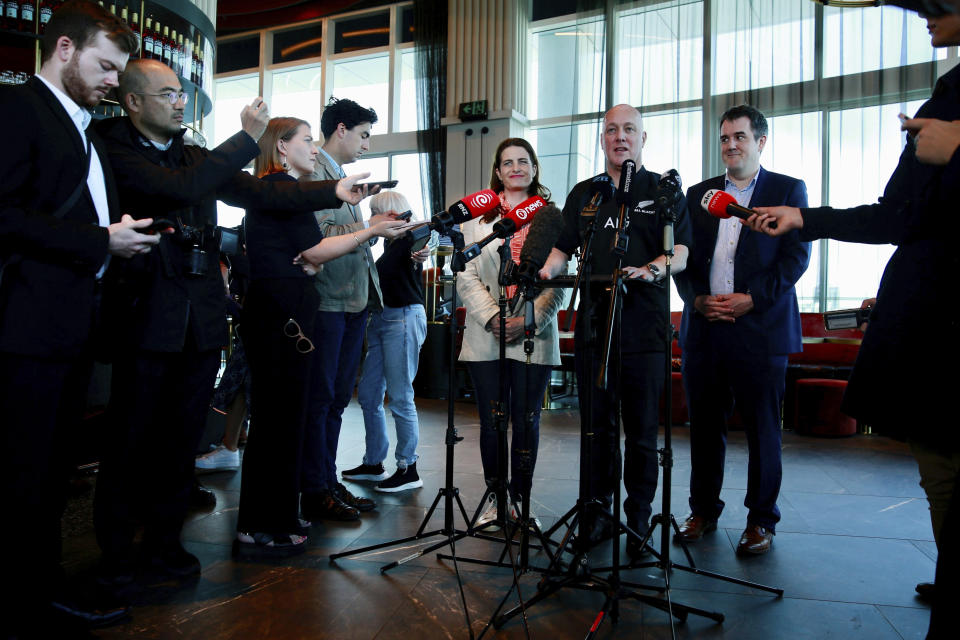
[[721, 204], [470, 207], [624, 201], [520, 216]]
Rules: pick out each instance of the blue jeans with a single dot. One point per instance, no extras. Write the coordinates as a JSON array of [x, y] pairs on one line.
[[338, 338], [526, 386], [394, 338]]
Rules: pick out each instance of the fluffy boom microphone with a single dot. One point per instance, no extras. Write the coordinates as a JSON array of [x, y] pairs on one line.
[[519, 216], [721, 204], [543, 235]]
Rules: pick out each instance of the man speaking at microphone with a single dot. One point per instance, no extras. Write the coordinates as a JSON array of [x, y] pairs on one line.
[[640, 345], [740, 320]]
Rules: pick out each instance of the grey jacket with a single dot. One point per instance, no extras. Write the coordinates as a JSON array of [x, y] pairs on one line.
[[350, 282]]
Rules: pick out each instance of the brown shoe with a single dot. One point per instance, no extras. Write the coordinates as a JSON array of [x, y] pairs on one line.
[[694, 527], [756, 540]]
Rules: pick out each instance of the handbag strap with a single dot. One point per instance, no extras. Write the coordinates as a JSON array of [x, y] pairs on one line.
[[72, 200]]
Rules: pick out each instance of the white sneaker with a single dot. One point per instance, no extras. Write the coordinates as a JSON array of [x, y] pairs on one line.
[[220, 459], [489, 514], [533, 520]]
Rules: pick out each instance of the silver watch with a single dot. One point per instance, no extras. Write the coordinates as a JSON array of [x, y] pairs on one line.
[[655, 270]]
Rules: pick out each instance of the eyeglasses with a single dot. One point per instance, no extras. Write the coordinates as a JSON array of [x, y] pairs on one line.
[[292, 330], [173, 97]]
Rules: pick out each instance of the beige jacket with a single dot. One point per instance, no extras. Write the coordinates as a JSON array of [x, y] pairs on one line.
[[345, 283], [478, 289]]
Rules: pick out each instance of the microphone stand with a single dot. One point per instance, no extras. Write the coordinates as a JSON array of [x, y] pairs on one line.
[[448, 493], [665, 519]]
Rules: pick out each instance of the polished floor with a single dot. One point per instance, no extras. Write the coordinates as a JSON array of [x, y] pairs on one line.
[[854, 540]]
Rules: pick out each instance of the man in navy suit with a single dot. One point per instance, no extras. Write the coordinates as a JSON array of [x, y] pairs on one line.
[[740, 320]]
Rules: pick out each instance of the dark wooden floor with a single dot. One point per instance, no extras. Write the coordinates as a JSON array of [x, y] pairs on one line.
[[854, 539]]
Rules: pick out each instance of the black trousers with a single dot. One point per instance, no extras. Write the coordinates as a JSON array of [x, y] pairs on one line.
[[158, 410], [280, 377], [41, 403], [641, 380]]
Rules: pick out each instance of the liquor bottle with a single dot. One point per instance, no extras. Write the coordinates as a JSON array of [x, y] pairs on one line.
[[11, 14], [135, 27], [113, 8], [200, 69], [28, 16], [193, 64], [46, 10], [148, 39], [167, 52], [184, 60], [174, 58]]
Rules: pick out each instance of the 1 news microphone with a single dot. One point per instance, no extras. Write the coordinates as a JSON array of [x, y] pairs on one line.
[[721, 204], [470, 207], [518, 217]]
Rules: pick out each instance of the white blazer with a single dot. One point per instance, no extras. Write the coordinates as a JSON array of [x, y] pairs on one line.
[[478, 289]]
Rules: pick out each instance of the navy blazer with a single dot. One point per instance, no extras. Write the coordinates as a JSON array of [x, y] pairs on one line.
[[766, 268]]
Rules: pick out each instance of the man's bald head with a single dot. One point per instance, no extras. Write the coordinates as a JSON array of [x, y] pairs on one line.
[[149, 93], [623, 137], [136, 77]]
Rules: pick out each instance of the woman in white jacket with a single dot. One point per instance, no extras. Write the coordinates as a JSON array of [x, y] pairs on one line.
[[515, 177]]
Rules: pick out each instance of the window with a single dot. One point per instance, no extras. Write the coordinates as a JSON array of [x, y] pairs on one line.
[[299, 93], [554, 54], [298, 44], [367, 82], [238, 53]]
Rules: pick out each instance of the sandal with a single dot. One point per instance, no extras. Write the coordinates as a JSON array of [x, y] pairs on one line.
[[268, 545]]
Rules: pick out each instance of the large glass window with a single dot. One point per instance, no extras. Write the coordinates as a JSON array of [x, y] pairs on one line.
[[299, 93], [407, 111], [762, 44], [871, 39], [566, 70], [660, 57], [232, 95], [367, 82]]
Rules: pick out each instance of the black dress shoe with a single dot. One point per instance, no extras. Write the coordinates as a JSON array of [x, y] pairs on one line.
[[173, 561], [201, 497], [360, 504], [326, 506], [88, 609]]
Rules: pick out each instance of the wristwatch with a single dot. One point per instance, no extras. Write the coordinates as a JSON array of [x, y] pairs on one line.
[[655, 270]]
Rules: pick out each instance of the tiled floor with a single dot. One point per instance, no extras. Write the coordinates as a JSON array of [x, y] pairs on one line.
[[854, 540]]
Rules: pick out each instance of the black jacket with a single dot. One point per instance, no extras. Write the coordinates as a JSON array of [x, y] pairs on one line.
[[154, 302], [46, 298], [896, 384]]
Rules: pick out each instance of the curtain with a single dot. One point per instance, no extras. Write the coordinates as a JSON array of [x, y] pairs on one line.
[[430, 46]]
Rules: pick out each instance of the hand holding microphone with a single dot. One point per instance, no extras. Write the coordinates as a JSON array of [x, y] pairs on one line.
[[773, 221]]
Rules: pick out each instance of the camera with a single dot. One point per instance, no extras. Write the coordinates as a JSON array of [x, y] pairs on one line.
[[194, 239]]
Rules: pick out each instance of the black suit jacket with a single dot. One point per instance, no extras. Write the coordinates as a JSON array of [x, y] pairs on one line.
[[766, 268], [153, 302], [46, 297]]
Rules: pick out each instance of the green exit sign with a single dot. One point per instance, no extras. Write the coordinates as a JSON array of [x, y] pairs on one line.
[[476, 110]]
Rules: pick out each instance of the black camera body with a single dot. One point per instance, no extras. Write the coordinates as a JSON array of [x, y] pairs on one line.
[[195, 239], [845, 318]]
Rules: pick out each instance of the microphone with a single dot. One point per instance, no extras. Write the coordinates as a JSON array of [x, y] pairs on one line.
[[543, 235], [669, 190], [472, 206], [721, 204], [627, 172], [620, 238], [520, 216]]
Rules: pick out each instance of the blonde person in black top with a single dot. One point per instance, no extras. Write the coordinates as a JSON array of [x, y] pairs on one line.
[[285, 249]]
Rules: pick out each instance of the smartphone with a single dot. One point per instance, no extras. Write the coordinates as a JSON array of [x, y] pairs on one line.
[[158, 224], [405, 216], [385, 184]]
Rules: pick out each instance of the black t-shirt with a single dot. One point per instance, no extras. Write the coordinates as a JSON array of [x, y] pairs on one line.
[[644, 305], [274, 240], [400, 275]]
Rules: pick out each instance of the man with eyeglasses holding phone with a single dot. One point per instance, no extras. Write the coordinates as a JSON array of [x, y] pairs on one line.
[[168, 311]]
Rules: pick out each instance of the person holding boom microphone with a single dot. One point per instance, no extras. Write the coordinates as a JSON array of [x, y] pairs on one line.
[[515, 177], [640, 347], [886, 389]]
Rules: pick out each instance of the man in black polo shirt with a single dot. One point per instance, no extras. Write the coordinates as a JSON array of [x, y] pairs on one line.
[[640, 346]]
